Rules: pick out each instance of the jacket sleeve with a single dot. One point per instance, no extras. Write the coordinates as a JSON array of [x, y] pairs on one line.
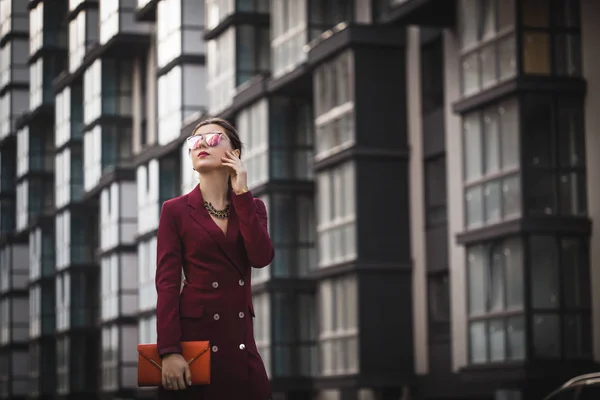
[[252, 215], [168, 282]]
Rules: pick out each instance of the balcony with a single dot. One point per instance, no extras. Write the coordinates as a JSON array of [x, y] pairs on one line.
[[120, 34], [14, 71], [14, 20], [34, 152], [146, 10], [14, 268]]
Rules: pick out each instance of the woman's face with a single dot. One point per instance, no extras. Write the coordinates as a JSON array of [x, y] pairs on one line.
[[207, 146]]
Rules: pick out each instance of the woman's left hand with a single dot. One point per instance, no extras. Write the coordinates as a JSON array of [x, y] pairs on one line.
[[238, 174]]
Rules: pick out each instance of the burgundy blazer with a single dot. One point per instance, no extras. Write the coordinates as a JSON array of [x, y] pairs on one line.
[[215, 302]]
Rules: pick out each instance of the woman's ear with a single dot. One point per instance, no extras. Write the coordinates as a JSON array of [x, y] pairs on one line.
[[237, 152]]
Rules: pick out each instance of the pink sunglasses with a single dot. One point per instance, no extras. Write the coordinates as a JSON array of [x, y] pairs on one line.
[[211, 139]]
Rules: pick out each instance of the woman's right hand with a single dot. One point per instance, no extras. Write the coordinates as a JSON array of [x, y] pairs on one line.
[[175, 372]]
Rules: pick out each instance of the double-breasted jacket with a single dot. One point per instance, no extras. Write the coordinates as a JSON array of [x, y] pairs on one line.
[[215, 301]]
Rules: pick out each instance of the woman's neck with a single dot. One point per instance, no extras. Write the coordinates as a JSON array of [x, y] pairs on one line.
[[214, 187]]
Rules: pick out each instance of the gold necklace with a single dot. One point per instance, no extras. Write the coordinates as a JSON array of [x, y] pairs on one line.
[[221, 214]]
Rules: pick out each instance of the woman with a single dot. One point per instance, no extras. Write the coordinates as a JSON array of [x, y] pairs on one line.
[[216, 233]]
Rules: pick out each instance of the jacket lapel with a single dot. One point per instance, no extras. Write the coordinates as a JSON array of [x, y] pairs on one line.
[[226, 242]]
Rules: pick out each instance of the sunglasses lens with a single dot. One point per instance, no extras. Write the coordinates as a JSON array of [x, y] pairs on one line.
[[193, 141], [213, 139]]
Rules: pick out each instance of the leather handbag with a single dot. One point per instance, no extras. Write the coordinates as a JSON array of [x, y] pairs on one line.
[[196, 353]]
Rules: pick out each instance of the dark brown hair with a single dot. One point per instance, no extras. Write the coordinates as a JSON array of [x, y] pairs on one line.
[[230, 131]]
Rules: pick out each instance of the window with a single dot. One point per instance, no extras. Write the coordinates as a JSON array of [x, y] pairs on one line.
[[253, 52], [253, 127], [36, 28], [338, 333], [69, 176], [83, 32], [13, 17], [108, 89], [491, 165], [221, 63], [22, 205], [261, 275], [118, 215], [119, 294], [179, 23], [13, 62], [146, 255], [334, 105], [178, 100], [14, 369], [46, 27], [62, 117], [292, 231], [291, 146], [555, 165], [438, 298], [325, 14], [551, 37], [63, 302], [189, 178], [435, 191], [289, 23], [62, 365], [496, 302], [92, 90], [41, 310], [488, 53], [72, 247], [110, 358], [218, 10], [42, 253], [147, 329], [147, 195], [12, 104], [560, 297], [336, 215], [109, 19], [262, 328], [41, 74]]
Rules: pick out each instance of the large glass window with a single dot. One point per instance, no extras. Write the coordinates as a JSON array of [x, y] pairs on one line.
[[253, 52], [118, 215], [293, 233], [12, 104], [551, 37], [41, 74], [554, 155], [178, 100], [47, 27], [14, 17], [117, 16], [13, 62], [488, 51], [496, 302], [147, 196], [110, 357], [253, 128], [108, 89], [289, 23], [262, 328], [72, 247], [324, 14], [83, 31], [118, 291], [336, 215], [218, 10], [147, 329], [291, 146], [146, 272], [14, 267], [491, 165], [63, 355], [34, 150], [179, 23], [42, 310], [334, 105], [338, 330], [221, 62], [69, 176], [560, 297]]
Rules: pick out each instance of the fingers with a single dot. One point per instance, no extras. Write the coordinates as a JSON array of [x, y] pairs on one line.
[[180, 382], [188, 375], [164, 380]]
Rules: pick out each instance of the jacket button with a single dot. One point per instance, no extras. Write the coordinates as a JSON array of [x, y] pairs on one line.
[[241, 282], [215, 349], [242, 346], [216, 316], [241, 314], [215, 284]]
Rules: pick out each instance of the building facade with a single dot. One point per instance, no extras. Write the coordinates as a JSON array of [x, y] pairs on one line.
[[430, 170]]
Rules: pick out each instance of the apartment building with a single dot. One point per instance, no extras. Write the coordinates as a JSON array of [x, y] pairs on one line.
[[430, 170]]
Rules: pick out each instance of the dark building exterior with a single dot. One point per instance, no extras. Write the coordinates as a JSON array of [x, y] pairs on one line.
[[430, 170]]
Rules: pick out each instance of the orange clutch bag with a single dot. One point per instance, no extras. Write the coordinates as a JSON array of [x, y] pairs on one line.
[[197, 355]]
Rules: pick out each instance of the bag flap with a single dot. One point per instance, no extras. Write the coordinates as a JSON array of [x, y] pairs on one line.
[[193, 350], [150, 353]]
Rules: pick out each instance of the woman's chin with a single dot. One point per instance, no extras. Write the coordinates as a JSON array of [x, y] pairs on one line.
[[205, 167]]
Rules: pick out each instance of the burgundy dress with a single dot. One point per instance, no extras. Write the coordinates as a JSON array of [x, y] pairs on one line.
[[215, 302]]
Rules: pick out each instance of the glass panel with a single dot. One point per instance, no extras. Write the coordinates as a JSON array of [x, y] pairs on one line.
[[492, 202], [491, 138], [477, 340], [575, 273], [497, 340], [546, 335], [578, 336], [477, 277], [537, 130], [567, 55], [541, 189], [511, 197], [572, 196], [473, 147], [496, 278], [535, 13], [544, 272], [474, 204], [516, 338], [513, 259], [536, 53], [507, 57]]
